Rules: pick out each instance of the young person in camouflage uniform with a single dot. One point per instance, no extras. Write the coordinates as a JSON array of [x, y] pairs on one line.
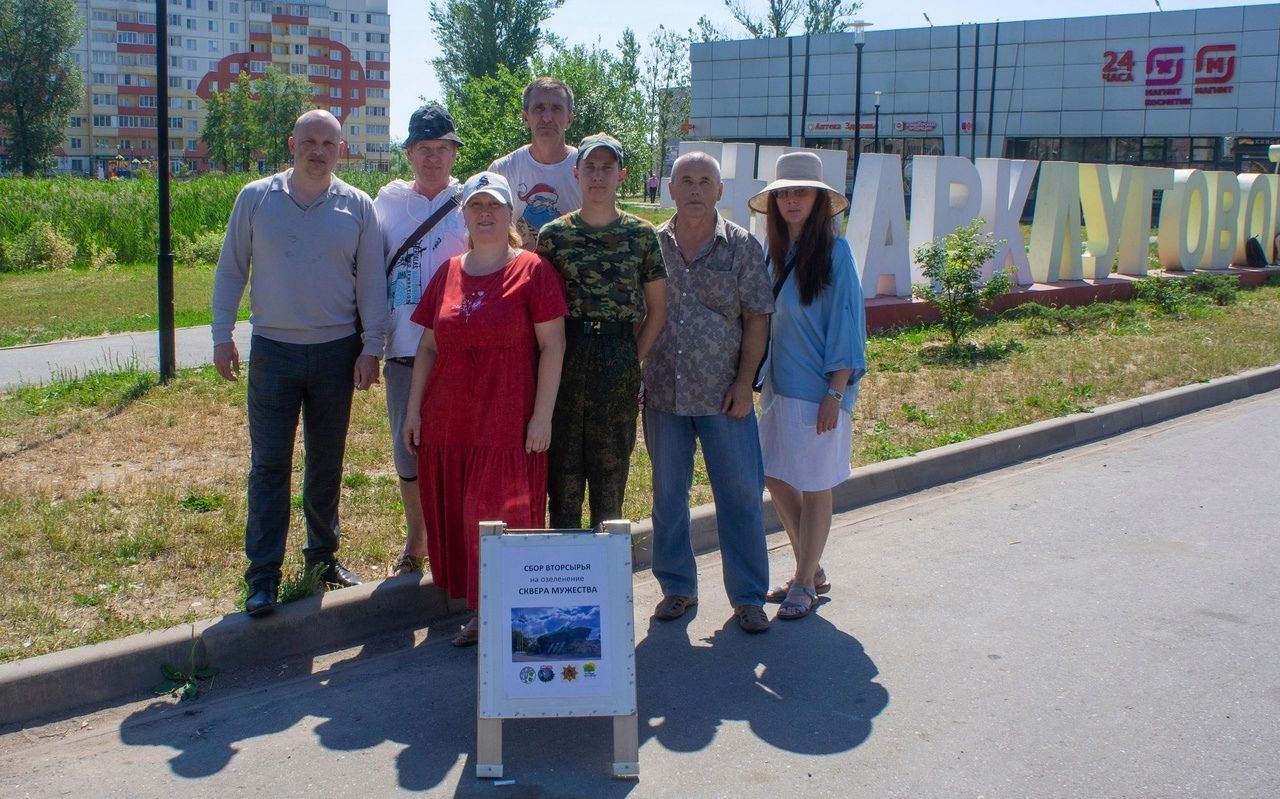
[[615, 282]]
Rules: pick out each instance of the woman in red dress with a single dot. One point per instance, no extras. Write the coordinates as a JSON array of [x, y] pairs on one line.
[[485, 377]]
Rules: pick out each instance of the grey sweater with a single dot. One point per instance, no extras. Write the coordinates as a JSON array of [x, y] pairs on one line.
[[308, 269]]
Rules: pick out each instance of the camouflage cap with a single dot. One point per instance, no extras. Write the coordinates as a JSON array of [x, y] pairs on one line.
[[596, 140]]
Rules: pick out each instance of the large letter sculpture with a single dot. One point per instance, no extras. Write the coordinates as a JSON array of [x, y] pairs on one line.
[[1183, 238], [1055, 228], [1005, 186], [877, 231], [1135, 227], [1102, 191], [946, 194], [1257, 215]]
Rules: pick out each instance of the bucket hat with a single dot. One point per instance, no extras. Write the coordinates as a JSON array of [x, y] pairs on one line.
[[795, 171]]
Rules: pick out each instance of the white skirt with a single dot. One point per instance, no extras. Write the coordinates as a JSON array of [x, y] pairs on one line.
[[794, 452]]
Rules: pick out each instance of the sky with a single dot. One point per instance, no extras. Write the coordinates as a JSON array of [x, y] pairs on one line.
[[584, 22]]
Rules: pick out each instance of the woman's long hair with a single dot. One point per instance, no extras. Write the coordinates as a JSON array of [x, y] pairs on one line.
[[813, 248]]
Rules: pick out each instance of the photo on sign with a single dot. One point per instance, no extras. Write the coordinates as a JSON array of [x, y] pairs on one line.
[[542, 634]]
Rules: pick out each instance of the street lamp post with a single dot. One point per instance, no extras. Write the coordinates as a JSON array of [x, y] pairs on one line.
[[878, 93], [859, 39]]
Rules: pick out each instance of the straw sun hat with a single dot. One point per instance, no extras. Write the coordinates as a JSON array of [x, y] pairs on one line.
[[794, 171]]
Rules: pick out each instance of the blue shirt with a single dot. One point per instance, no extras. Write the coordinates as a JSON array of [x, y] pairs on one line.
[[809, 342]]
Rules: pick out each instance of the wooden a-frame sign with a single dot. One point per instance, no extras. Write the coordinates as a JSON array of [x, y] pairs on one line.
[[557, 635]]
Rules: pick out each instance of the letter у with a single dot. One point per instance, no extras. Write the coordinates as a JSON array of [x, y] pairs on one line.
[[1102, 191], [1055, 228]]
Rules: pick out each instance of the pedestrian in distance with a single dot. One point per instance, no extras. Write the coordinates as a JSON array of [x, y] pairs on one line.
[[817, 356], [697, 382], [309, 248], [422, 227], [485, 378]]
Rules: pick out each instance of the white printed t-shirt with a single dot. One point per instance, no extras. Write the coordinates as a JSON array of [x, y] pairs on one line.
[[542, 191], [400, 210]]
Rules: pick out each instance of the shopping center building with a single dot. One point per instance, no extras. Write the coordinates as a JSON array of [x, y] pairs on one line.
[[1188, 89], [341, 46]]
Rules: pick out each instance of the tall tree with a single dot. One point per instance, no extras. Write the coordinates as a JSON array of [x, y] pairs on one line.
[[818, 16], [829, 16], [478, 36], [486, 110], [230, 127], [666, 91], [255, 116], [606, 97], [281, 99], [774, 23], [39, 82]]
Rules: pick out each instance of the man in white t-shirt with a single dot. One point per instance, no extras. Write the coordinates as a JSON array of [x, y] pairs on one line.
[[404, 208], [541, 172]]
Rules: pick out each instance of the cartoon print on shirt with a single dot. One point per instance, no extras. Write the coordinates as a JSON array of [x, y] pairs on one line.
[[541, 205]]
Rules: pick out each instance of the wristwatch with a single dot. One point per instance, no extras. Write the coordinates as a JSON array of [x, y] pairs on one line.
[[837, 395]]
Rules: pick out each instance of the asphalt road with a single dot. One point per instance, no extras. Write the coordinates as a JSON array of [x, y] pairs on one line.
[[1099, 623], [41, 363]]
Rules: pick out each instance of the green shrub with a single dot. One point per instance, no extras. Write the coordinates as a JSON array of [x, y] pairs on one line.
[[39, 247], [101, 258], [952, 265], [1171, 295], [1222, 289], [203, 249]]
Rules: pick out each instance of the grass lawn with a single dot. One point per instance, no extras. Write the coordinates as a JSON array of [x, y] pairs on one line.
[[122, 502], [118, 300]]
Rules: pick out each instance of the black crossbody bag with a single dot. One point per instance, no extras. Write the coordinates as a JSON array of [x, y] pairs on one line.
[[758, 382]]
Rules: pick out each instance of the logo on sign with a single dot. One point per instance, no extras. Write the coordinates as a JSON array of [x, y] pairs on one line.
[[1215, 66], [1164, 66]]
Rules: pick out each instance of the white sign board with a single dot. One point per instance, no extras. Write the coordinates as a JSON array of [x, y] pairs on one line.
[[557, 634]]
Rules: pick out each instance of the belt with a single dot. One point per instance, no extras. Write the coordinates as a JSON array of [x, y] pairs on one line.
[[404, 360], [591, 327]]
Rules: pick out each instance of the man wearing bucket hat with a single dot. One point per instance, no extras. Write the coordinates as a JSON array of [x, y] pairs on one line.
[[817, 356], [615, 283], [541, 173], [422, 227]]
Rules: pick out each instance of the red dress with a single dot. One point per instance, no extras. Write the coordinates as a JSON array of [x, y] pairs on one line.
[[472, 466]]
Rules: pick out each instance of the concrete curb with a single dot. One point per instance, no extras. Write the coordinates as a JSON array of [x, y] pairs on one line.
[[50, 686]]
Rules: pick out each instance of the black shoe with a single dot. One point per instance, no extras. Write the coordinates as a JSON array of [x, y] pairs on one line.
[[262, 599], [336, 574]]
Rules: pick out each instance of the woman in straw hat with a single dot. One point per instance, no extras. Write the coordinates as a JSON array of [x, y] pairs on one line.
[[817, 355]]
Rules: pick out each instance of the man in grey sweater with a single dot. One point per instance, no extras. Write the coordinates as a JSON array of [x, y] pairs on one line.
[[308, 246]]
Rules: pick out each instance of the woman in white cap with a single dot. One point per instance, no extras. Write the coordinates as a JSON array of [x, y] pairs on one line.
[[485, 376], [817, 355]]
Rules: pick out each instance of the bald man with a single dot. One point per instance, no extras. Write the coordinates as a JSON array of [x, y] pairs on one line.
[[309, 249]]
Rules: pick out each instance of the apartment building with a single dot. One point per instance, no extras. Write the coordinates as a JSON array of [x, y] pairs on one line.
[[341, 46]]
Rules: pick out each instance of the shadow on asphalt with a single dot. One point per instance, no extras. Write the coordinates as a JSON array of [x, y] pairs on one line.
[[804, 687]]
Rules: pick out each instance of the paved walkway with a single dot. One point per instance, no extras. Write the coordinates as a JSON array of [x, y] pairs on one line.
[[1101, 622], [40, 363]]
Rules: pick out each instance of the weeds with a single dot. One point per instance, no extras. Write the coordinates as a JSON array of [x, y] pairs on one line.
[[185, 684]]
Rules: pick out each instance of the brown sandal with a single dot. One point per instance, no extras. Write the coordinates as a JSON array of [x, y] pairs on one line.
[[468, 635], [406, 564], [674, 606], [821, 585]]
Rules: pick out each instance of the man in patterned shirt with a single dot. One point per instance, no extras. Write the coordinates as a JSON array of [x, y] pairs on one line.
[[698, 388], [615, 284]]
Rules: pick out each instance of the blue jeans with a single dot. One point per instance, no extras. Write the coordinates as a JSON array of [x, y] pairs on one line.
[[731, 450], [317, 381]]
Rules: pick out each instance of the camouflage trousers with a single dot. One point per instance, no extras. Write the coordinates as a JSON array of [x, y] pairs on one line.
[[593, 430]]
